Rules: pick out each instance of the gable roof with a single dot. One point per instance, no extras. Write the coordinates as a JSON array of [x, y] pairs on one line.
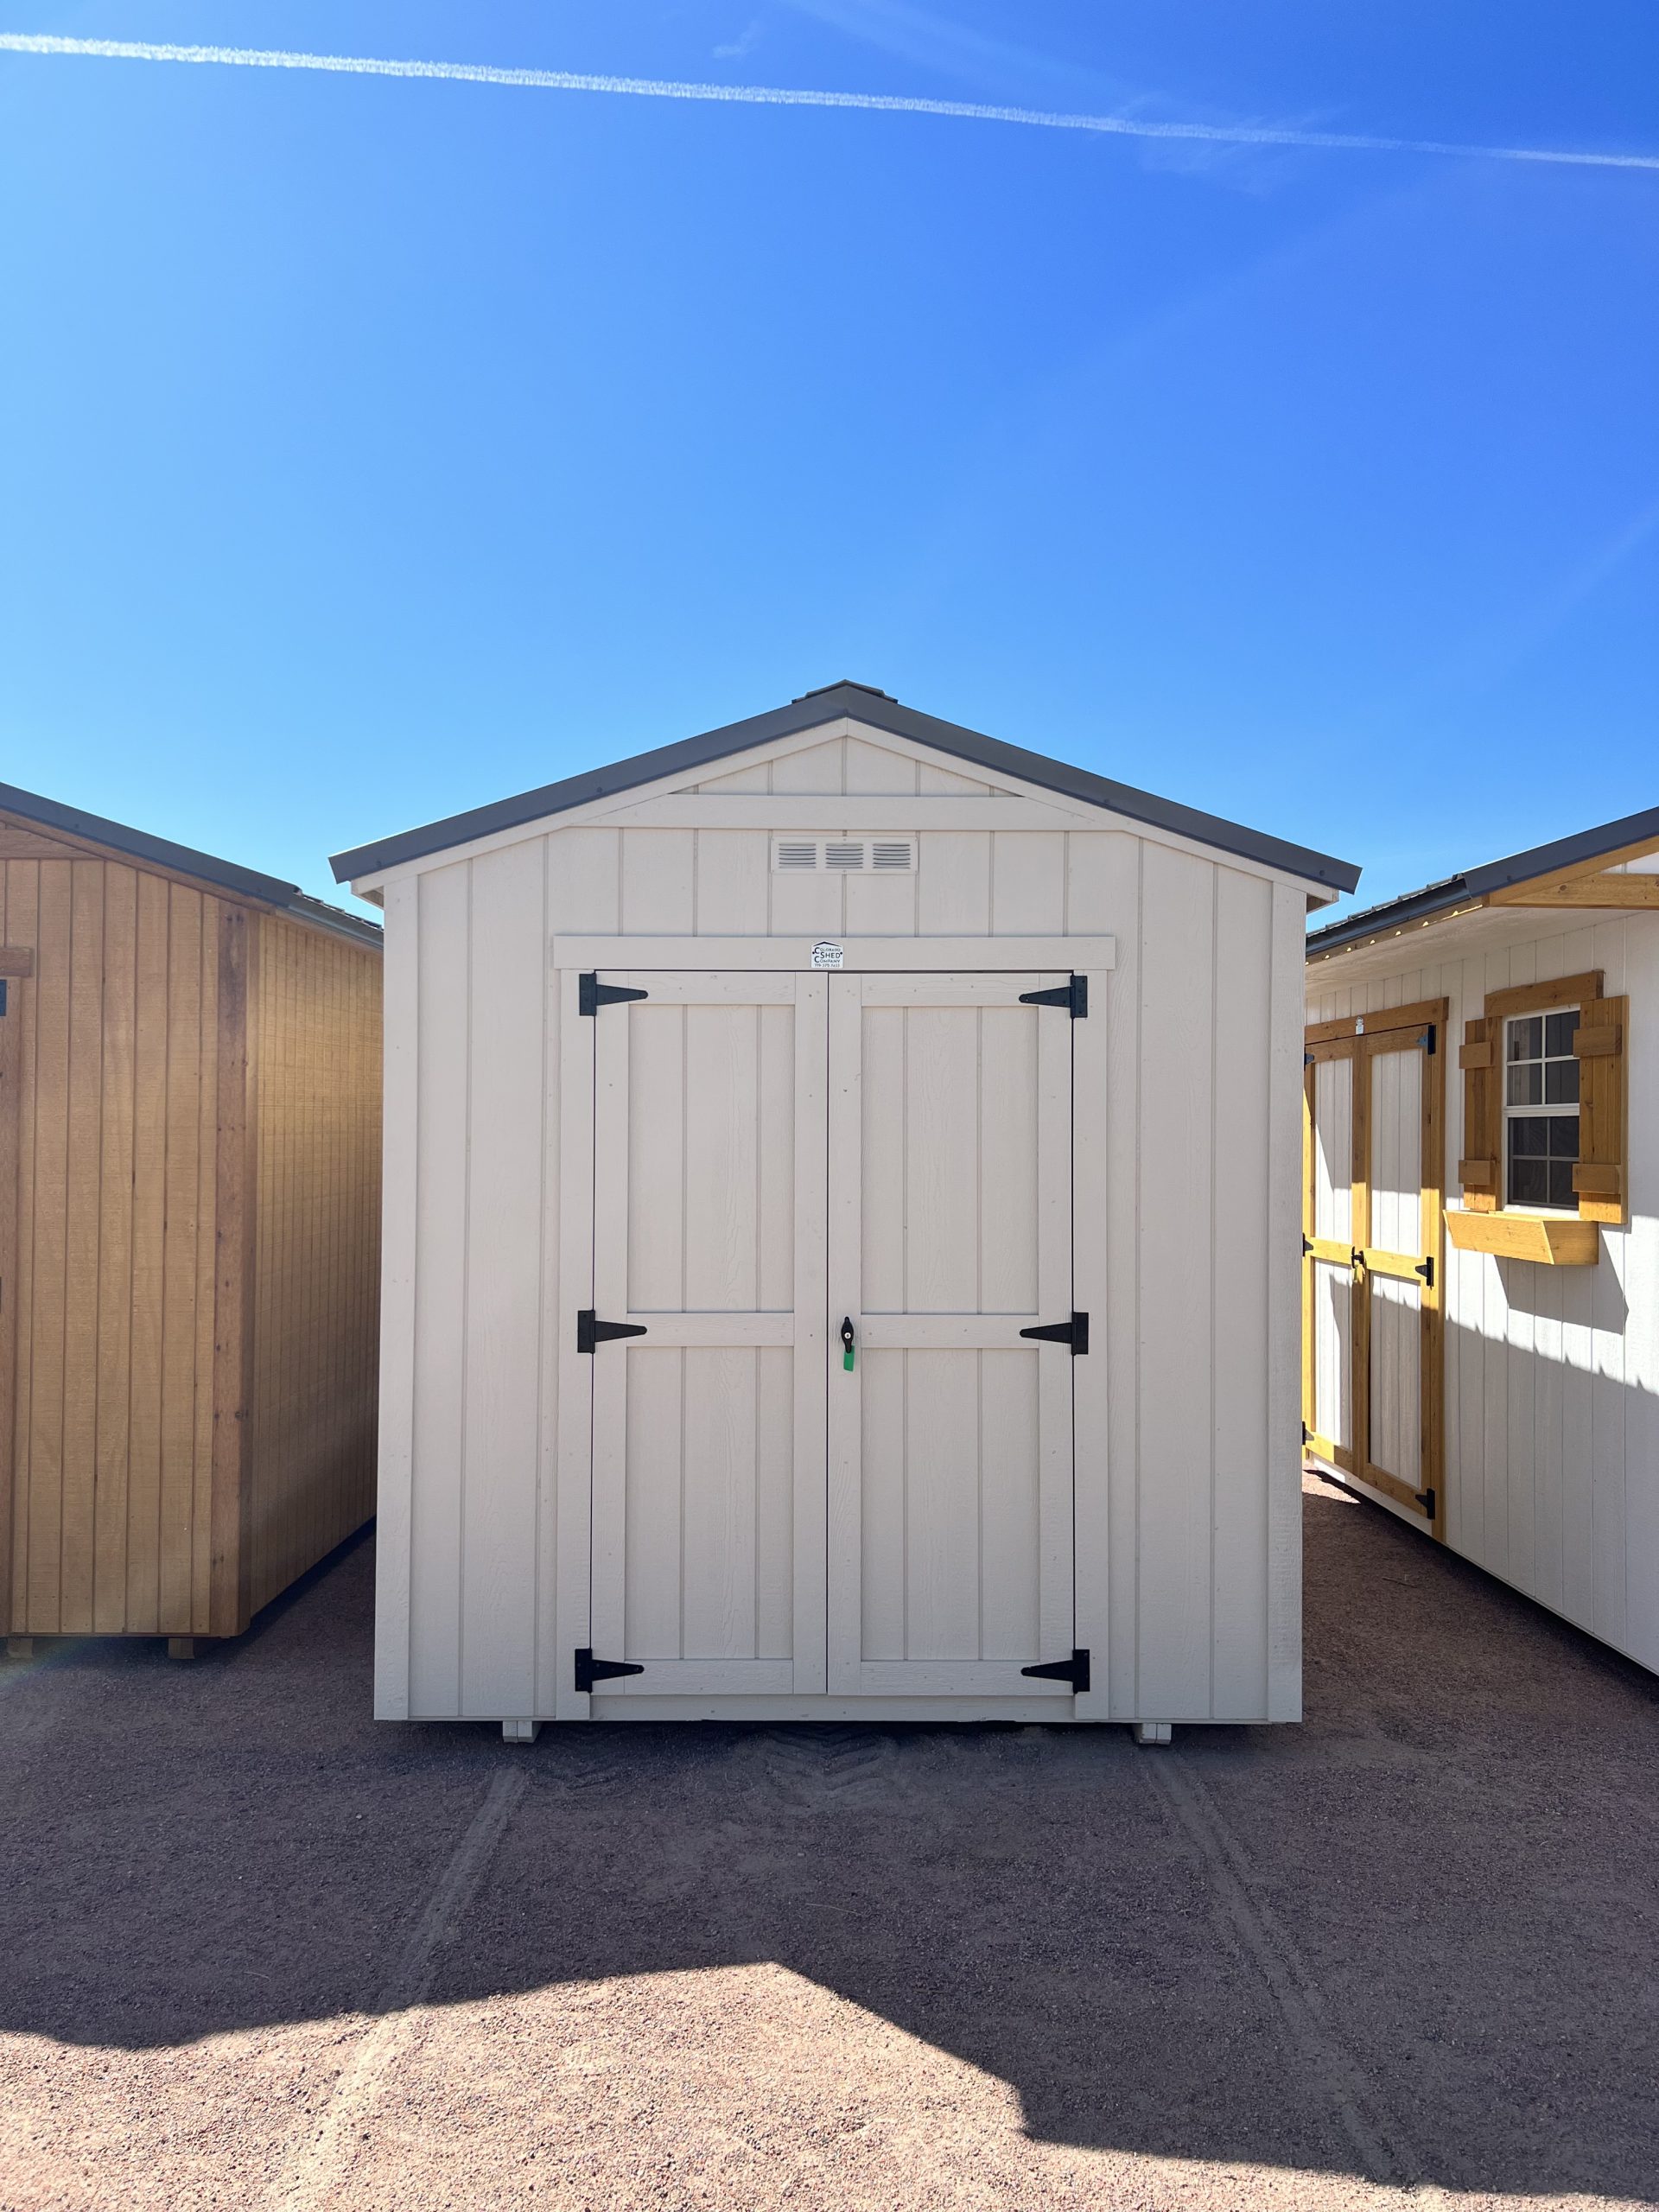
[[1561, 854], [876, 708], [184, 859]]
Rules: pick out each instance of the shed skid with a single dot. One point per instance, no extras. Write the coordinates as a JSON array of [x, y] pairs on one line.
[[839, 1227]]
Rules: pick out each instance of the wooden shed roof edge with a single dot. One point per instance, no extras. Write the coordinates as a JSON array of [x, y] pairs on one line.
[[1583, 847], [184, 859], [863, 702]]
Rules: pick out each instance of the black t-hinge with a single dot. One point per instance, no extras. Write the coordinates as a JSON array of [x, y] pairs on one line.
[[1074, 1670], [1428, 1500], [591, 1332], [1074, 1332], [590, 1671], [1073, 996], [1425, 1268], [591, 994]]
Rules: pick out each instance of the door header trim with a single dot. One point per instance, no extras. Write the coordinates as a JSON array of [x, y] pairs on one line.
[[863, 955]]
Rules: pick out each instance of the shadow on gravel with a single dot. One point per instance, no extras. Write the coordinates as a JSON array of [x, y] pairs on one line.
[[1448, 1872]]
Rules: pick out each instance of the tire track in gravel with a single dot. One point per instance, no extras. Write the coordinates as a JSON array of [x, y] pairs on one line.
[[1370, 2131], [821, 1767], [316, 2168]]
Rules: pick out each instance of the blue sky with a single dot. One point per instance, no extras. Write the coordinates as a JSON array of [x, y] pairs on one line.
[[375, 447]]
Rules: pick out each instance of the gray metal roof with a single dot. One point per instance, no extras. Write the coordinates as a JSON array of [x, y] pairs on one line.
[[881, 711], [183, 859], [1564, 853]]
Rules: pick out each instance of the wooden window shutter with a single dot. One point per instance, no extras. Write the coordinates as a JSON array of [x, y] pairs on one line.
[[1481, 1169], [1599, 1178]]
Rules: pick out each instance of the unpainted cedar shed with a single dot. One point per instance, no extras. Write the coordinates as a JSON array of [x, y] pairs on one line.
[[1481, 1285], [840, 1235], [189, 1230]]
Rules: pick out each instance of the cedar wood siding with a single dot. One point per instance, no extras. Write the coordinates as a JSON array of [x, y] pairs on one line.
[[131, 1131]]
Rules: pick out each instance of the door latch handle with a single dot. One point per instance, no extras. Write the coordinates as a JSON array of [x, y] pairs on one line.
[[848, 1340]]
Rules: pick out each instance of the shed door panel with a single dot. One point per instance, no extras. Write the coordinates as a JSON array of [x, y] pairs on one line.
[[1395, 1073], [1331, 1229], [1371, 1231], [708, 1210], [951, 1441]]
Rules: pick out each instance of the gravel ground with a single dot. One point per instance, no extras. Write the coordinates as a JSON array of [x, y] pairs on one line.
[[256, 1951]]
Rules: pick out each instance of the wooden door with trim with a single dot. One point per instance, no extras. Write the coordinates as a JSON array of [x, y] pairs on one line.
[[951, 1429], [708, 1305], [1372, 1252]]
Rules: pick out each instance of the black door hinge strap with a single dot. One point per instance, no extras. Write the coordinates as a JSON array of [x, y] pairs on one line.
[[1074, 1670], [590, 1671], [591, 1332], [1074, 996], [1074, 1332], [1428, 1500], [591, 994]]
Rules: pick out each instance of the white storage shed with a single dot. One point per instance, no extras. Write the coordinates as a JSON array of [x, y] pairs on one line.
[[1482, 1257], [841, 1184]]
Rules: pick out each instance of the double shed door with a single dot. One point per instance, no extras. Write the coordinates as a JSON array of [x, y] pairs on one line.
[[1372, 1257], [777, 1155]]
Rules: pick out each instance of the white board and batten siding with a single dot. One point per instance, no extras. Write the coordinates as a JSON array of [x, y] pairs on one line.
[[504, 1167], [1551, 1373]]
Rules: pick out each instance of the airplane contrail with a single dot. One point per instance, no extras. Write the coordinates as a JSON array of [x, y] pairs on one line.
[[567, 81]]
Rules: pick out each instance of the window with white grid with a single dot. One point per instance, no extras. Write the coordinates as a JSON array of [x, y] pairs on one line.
[[1541, 1109]]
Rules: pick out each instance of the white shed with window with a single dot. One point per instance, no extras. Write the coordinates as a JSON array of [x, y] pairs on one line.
[[842, 1185], [1482, 1220]]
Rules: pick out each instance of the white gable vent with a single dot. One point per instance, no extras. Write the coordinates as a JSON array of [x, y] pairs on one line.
[[844, 856]]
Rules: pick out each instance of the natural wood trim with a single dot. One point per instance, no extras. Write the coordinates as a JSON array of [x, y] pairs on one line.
[[1360, 1221], [16, 960], [1400, 1265], [1594, 886], [1386, 1019], [1532, 998], [864, 955], [1338, 1455], [1548, 1239], [11, 1109], [1329, 1252], [1626, 891], [233, 1278], [1401, 1493], [1600, 1044], [1475, 1055], [1603, 1120], [1432, 1231], [1596, 1181], [1481, 1172]]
